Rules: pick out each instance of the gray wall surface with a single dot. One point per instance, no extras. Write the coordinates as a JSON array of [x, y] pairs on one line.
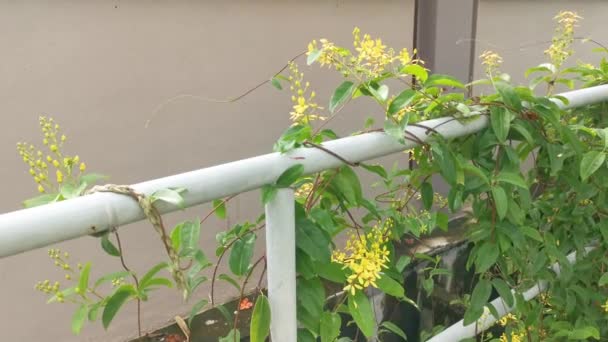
[[103, 68]]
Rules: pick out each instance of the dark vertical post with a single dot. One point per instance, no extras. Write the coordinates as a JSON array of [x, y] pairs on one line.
[[444, 35]]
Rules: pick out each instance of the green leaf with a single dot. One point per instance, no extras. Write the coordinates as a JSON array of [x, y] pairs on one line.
[[241, 253], [195, 309], [332, 271], [108, 246], [312, 56], [523, 132], [426, 191], [341, 95], [375, 168], [189, 237], [392, 327], [171, 196], [402, 100], [479, 298], [220, 209], [500, 120], [260, 320], [268, 193], [509, 95], [512, 178], [347, 182], [143, 282], [584, 333], [114, 304], [83, 282], [415, 70], [159, 282], [474, 170], [361, 311], [39, 200], [79, 317], [92, 178], [390, 286], [603, 279], [443, 80], [312, 240], [486, 256], [590, 163], [395, 130], [532, 233], [504, 291], [230, 281], [93, 310], [500, 201], [330, 326], [233, 335], [383, 92], [403, 261], [544, 67], [290, 175], [275, 83]]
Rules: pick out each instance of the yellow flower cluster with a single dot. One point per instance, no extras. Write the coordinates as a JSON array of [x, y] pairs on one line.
[[507, 319], [365, 256], [372, 57], [560, 48], [305, 109], [514, 337], [303, 191], [46, 287], [491, 60], [39, 163]]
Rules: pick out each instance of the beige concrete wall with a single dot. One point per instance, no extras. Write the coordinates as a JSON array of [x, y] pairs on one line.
[[102, 68]]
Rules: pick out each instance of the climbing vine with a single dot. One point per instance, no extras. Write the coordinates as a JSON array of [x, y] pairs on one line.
[[534, 182]]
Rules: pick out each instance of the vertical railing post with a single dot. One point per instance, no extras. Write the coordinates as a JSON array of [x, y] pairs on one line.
[[281, 259]]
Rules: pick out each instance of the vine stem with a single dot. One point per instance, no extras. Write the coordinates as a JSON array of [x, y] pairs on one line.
[[124, 265], [217, 207], [219, 260], [238, 308]]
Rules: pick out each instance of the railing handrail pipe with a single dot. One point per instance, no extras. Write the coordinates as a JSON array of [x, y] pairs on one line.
[[27, 229]]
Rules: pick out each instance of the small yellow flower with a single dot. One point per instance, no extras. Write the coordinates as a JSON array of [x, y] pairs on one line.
[[82, 167], [40, 188], [55, 163], [491, 60], [508, 318], [366, 255], [59, 176], [54, 148]]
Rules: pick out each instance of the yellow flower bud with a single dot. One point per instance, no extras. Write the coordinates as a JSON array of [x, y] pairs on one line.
[[40, 188], [59, 176], [55, 163], [54, 148], [82, 167]]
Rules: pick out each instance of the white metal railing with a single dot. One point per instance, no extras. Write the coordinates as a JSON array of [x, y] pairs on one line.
[[27, 229]]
